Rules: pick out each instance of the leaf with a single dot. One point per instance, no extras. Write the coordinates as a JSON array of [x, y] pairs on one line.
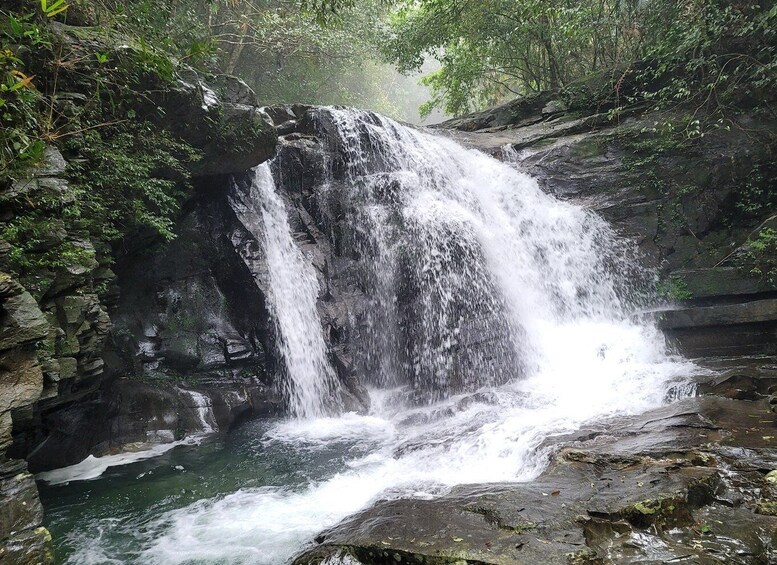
[[16, 26], [57, 7], [60, 10], [24, 80], [54, 6]]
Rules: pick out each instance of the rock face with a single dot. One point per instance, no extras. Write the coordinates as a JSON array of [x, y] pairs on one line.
[[217, 115], [220, 116], [74, 347], [701, 209], [685, 482], [22, 539], [152, 342], [198, 309], [188, 316], [59, 400]]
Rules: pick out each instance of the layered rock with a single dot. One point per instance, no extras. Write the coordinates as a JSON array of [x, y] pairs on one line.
[[691, 481], [22, 327], [59, 401], [699, 206]]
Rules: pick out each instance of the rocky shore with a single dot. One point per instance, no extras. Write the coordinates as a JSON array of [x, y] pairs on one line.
[[137, 344], [694, 481]]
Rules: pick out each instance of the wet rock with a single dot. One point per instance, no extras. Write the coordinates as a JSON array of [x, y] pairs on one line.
[[690, 481], [22, 326], [23, 321], [682, 205], [220, 117], [128, 412]]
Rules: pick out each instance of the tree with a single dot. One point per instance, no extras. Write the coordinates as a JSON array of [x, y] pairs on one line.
[[491, 49]]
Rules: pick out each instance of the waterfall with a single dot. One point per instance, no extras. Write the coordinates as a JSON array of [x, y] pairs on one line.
[[467, 262], [203, 408], [309, 384], [471, 271], [498, 317]]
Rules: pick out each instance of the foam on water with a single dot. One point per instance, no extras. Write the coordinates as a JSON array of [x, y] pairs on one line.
[[93, 467], [488, 254]]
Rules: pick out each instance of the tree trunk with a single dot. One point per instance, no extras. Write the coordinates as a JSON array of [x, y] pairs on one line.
[[547, 43]]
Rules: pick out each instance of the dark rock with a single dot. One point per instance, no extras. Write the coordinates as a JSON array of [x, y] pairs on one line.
[[685, 482], [719, 315], [22, 325], [722, 282], [222, 119], [681, 201]]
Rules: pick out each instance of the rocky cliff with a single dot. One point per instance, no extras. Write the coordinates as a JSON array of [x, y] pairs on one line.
[[700, 204], [133, 339], [60, 398]]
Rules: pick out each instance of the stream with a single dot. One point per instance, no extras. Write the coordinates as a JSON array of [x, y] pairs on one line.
[[499, 318]]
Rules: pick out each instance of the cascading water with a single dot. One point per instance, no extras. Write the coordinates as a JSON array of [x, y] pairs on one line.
[[466, 259], [503, 310], [204, 409], [310, 382]]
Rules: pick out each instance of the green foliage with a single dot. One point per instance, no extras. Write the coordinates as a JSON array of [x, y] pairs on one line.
[[36, 245], [127, 178], [674, 288], [19, 124], [56, 7], [757, 193], [766, 240], [499, 48], [761, 254], [130, 177], [602, 53], [288, 51], [710, 54]]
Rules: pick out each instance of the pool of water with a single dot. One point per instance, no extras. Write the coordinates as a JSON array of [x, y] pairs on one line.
[[261, 494], [116, 517]]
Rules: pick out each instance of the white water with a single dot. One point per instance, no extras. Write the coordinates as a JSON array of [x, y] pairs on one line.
[[310, 381], [479, 241], [204, 409], [93, 467]]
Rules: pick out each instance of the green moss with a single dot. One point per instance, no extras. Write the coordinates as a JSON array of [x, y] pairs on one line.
[[674, 288], [523, 527], [668, 511], [589, 148], [647, 508], [768, 508]]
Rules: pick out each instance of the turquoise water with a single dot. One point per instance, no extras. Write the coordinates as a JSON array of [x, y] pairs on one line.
[[112, 519]]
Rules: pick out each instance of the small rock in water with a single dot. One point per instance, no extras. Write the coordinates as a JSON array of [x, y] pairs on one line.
[[178, 468]]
